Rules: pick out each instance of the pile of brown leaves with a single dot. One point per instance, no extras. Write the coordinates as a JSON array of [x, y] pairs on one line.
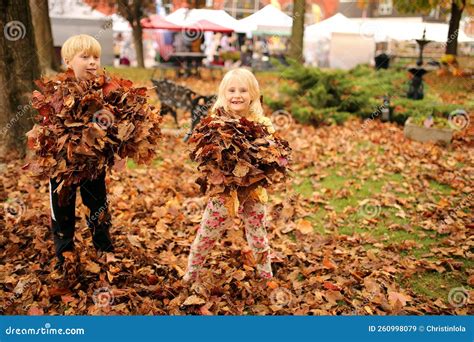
[[236, 153], [85, 126]]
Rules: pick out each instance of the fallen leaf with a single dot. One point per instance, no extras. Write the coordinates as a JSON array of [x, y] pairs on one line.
[[194, 300], [304, 226]]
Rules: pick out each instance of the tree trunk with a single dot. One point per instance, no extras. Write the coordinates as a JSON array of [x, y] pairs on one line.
[[133, 12], [138, 42], [453, 31], [19, 66], [44, 36], [297, 30]]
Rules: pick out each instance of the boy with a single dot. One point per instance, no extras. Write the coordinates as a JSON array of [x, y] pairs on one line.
[[81, 54]]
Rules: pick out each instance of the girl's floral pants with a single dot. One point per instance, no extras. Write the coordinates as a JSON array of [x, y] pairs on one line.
[[216, 220]]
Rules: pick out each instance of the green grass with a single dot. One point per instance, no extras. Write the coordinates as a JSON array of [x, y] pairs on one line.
[[304, 188], [441, 188], [317, 219], [335, 182], [138, 75], [430, 284], [132, 165], [434, 284]]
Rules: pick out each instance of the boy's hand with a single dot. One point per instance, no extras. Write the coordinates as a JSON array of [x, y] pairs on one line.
[[120, 165]]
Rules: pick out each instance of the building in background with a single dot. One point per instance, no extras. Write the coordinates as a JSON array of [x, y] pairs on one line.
[[382, 9], [71, 17]]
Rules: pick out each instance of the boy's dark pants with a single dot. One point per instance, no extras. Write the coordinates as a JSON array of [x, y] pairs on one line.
[[94, 196]]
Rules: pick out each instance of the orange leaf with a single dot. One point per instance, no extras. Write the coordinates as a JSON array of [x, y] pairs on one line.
[[272, 284], [330, 286], [67, 299], [328, 264], [35, 311], [304, 226]]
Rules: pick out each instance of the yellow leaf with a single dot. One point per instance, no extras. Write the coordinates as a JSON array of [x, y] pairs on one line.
[[239, 275], [134, 240], [232, 203], [69, 101], [92, 267], [304, 226], [194, 300], [241, 169], [261, 194], [443, 203]]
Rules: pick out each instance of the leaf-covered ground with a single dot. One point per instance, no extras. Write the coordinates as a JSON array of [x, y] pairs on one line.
[[370, 223]]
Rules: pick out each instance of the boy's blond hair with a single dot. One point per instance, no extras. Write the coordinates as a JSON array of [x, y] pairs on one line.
[[76, 44], [246, 77]]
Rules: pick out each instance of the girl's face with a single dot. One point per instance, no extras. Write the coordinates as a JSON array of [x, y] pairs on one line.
[[237, 97]]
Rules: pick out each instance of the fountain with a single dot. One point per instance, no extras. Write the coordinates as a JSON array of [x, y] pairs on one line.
[[415, 90]]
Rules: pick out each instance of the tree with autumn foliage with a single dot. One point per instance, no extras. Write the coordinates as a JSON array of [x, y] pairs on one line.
[[455, 7]]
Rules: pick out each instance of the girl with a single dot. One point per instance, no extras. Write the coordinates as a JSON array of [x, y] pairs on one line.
[[239, 94]]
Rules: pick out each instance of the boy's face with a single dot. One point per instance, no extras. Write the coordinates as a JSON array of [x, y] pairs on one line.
[[84, 65], [237, 97]]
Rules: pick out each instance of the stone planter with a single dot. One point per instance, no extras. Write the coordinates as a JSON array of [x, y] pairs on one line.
[[423, 134]]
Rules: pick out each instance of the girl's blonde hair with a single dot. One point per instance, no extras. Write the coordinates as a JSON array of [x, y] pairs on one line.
[[247, 78], [81, 42]]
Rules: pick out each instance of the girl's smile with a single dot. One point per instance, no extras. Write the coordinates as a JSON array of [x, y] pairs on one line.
[[237, 97]]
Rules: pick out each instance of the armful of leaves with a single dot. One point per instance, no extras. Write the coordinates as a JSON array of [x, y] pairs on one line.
[[84, 126], [234, 153]]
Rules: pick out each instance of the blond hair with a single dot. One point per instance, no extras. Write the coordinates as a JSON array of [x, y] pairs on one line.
[[247, 78], [79, 43]]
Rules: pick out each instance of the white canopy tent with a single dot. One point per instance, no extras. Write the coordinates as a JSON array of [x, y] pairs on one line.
[[327, 43], [347, 50], [268, 20], [184, 16], [120, 24], [337, 23], [385, 29]]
